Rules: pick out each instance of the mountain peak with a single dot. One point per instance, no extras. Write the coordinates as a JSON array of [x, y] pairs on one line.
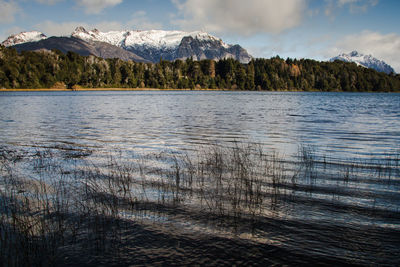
[[80, 29], [354, 53], [367, 61], [24, 37]]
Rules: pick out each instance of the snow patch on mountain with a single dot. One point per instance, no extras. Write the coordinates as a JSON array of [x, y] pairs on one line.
[[157, 39], [367, 61], [24, 37]]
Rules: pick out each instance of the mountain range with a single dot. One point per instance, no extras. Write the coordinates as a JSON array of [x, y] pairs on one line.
[[152, 45], [367, 61], [142, 46]]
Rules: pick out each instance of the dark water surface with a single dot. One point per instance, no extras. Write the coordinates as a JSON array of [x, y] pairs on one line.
[[343, 211]]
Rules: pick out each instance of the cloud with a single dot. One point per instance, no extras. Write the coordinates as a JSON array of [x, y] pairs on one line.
[[14, 30], [141, 22], [240, 17], [138, 21], [344, 2], [361, 6], [8, 10], [96, 6], [51, 28], [354, 6], [4, 34], [381, 46], [106, 26], [48, 2]]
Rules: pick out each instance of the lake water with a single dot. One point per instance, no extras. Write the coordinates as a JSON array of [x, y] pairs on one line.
[[343, 212], [342, 125]]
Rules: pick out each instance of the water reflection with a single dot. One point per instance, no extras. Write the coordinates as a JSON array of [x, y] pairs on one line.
[[341, 125]]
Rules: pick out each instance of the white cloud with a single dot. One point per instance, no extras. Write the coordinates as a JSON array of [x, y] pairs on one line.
[[381, 46], [141, 22], [354, 6], [244, 17], [138, 21], [9, 31], [14, 30], [344, 2], [51, 28], [48, 2], [361, 5], [360, 2], [108, 26], [8, 10], [96, 6]]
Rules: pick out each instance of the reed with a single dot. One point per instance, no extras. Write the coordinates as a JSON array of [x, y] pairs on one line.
[[52, 206]]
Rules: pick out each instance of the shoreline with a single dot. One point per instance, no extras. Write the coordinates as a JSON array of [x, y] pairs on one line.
[[171, 89], [105, 89]]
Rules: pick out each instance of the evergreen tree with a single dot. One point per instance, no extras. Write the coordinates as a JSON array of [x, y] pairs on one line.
[[46, 68]]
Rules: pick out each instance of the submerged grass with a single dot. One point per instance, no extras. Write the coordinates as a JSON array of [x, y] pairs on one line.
[[53, 208]]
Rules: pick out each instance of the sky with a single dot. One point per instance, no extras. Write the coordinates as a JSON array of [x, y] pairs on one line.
[[317, 29]]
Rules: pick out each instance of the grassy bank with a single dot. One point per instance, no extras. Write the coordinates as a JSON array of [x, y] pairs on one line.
[[57, 208]]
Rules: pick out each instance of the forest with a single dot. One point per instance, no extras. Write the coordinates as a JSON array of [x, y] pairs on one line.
[[53, 69]]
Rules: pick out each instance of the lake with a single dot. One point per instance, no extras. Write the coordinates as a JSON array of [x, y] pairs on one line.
[[324, 167], [341, 125]]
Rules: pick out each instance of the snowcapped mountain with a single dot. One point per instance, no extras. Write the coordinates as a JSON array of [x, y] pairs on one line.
[[153, 38], [367, 61], [149, 46], [170, 45], [24, 37]]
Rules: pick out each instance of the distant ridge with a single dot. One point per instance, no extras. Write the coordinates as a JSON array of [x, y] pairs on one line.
[[367, 61]]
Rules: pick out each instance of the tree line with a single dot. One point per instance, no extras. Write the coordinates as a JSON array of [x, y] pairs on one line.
[[50, 69]]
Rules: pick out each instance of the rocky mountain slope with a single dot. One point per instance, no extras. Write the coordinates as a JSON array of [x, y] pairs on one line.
[[146, 45], [367, 61], [81, 47]]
